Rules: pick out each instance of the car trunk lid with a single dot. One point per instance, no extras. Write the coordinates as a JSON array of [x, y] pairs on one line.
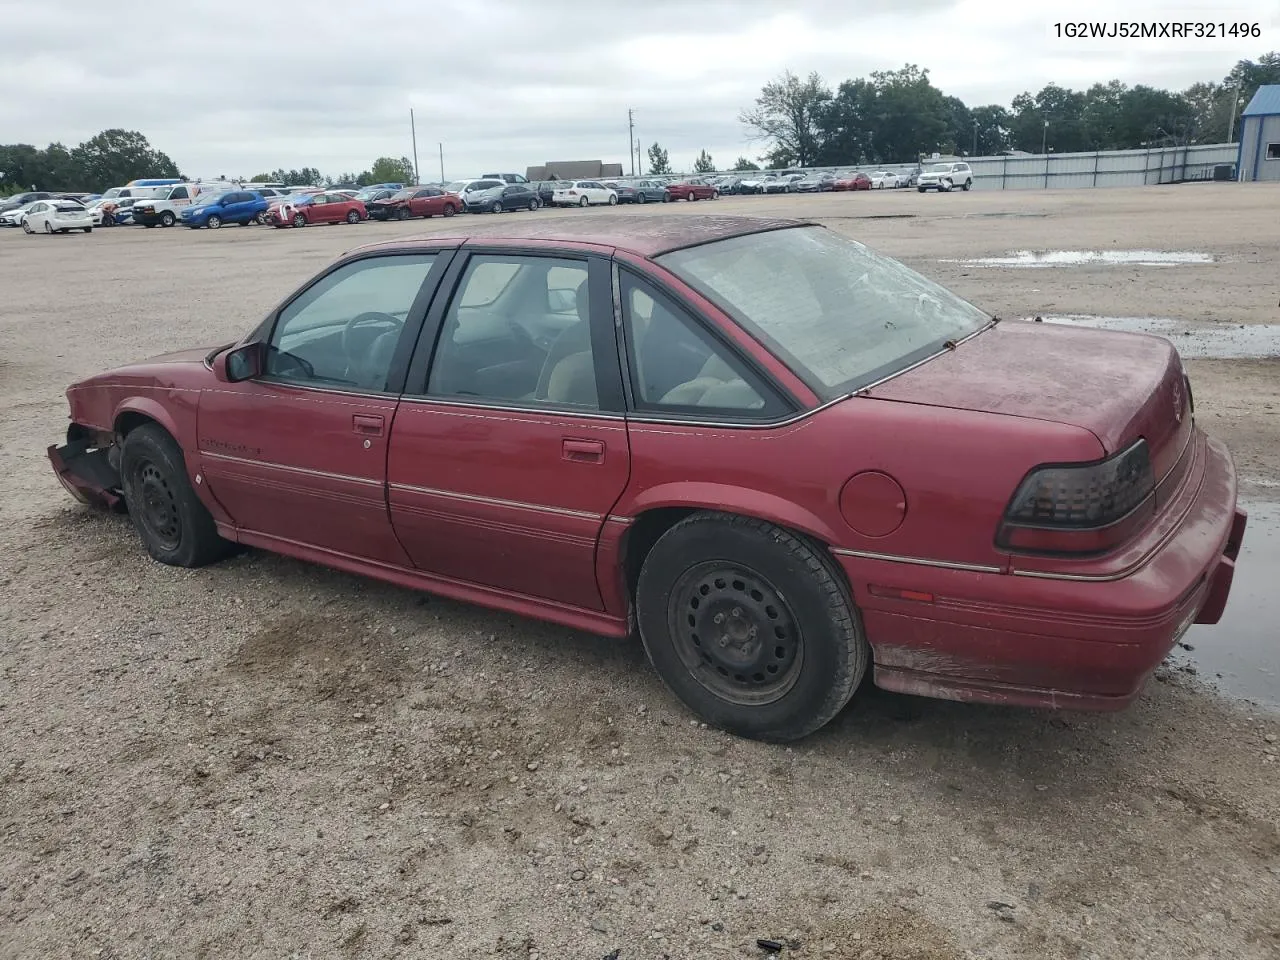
[[1119, 386]]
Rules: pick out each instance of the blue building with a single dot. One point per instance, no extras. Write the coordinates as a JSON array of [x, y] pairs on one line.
[[1259, 157]]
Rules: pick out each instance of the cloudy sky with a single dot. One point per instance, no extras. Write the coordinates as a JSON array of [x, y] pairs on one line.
[[229, 88]]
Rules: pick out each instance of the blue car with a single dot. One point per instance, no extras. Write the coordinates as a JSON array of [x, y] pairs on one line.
[[213, 210]]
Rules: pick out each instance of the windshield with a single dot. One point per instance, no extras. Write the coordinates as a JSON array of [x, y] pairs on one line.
[[367, 194], [840, 315]]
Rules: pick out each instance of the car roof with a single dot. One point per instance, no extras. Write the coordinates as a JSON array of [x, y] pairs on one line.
[[644, 236]]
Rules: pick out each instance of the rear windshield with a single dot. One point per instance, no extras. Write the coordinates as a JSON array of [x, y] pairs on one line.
[[840, 315]]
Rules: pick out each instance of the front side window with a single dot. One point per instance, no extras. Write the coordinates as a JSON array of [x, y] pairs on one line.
[[517, 331], [836, 312], [343, 330], [677, 367]]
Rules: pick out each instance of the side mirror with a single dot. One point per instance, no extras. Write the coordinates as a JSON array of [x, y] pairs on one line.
[[240, 363]]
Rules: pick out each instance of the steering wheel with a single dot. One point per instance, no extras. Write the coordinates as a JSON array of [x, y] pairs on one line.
[[372, 319]]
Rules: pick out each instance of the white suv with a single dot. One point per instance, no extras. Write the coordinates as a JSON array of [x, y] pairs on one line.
[[945, 176]]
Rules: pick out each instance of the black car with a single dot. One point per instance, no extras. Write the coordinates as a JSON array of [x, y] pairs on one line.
[[22, 199], [371, 195], [817, 183], [640, 191], [729, 186], [513, 196]]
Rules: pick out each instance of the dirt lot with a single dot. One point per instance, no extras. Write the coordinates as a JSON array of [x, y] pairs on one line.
[[269, 759]]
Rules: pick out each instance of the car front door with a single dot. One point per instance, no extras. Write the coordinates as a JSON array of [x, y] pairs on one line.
[[298, 455], [321, 209], [510, 448]]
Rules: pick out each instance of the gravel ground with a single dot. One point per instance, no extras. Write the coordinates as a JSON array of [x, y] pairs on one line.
[[270, 759]]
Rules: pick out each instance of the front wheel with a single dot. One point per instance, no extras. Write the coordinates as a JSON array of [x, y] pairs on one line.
[[750, 626], [692, 196], [533, 205], [966, 185], [613, 199], [353, 217], [641, 198], [167, 219], [496, 207], [401, 214], [450, 210], [26, 227], [214, 222], [921, 189], [175, 526], [88, 229], [299, 220]]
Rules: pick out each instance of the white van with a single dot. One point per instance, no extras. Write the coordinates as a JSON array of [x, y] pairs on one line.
[[164, 205]]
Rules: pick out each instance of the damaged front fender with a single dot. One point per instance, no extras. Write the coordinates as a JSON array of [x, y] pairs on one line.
[[86, 471]]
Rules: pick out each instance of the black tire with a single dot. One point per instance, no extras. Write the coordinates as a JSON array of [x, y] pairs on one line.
[[401, 214], [450, 210], [167, 219], [260, 218], [174, 525], [299, 220], [583, 202], [922, 189], [88, 229], [353, 216], [214, 222], [966, 185], [533, 205], [641, 198], [793, 681]]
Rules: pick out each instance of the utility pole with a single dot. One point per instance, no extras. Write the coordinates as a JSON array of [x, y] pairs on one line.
[[413, 131], [1044, 140], [442, 179], [1235, 102], [631, 135], [639, 158], [975, 139]]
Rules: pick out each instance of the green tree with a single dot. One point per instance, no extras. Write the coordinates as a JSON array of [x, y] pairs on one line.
[[659, 163], [847, 124], [787, 115], [743, 164], [391, 170], [117, 156], [992, 123], [704, 163], [1063, 112], [911, 115]]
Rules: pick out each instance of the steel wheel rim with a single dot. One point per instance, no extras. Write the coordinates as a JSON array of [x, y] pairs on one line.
[[735, 633], [158, 506]]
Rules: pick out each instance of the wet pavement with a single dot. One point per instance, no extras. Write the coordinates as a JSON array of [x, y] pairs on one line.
[[1198, 341], [1241, 654], [1077, 258]]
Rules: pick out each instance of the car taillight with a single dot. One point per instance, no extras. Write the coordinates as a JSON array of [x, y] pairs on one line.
[[573, 193], [1081, 508]]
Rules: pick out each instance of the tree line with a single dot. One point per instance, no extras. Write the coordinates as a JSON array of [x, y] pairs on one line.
[[114, 157], [899, 115]]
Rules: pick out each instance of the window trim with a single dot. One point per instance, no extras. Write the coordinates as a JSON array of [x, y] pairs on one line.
[[780, 405], [604, 347], [409, 334]]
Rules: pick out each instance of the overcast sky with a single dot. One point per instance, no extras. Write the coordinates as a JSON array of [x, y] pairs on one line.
[[226, 88]]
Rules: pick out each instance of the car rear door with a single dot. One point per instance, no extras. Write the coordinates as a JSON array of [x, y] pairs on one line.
[[297, 456], [510, 447]]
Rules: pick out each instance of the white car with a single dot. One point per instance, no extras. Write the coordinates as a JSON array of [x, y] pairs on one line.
[[582, 193], [13, 218], [883, 178], [57, 216], [945, 177]]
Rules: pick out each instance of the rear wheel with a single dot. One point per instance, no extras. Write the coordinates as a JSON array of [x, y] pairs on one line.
[[174, 525], [750, 626], [583, 202], [533, 204], [641, 198], [88, 229], [966, 185], [48, 228], [260, 218]]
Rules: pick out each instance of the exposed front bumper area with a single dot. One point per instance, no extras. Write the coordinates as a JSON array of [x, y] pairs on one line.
[[1040, 641], [87, 473]]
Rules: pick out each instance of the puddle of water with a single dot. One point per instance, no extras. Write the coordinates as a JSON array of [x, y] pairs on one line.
[[1198, 341], [1241, 654], [1075, 258]]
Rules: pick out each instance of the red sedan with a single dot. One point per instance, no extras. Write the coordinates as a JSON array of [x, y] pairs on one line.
[[695, 188], [798, 462], [415, 202], [852, 181], [299, 211]]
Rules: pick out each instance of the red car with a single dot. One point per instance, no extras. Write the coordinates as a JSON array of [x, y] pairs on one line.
[[695, 188], [299, 211], [852, 181], [798, 461], [415, 202]]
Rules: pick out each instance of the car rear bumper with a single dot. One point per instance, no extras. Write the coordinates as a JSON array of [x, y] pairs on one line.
[[1038, 641]]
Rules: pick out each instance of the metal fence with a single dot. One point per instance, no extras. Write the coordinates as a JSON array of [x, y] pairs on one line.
[[1104, 168]]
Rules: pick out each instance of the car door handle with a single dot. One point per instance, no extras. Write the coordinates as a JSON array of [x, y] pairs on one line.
[[583, 451], [367, 424]]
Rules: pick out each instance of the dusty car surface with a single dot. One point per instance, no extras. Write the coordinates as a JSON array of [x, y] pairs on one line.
[[786, 459]]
